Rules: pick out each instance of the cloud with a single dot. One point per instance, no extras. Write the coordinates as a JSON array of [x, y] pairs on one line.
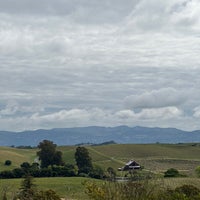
[[160, 113], [125, 114], [171, 16], [130, 59], [150, 114], [155, 99], [196, 113], [186, 14], [86, 117], [10, 109], [80, 11]]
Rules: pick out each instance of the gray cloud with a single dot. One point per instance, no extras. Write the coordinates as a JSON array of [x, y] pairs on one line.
[[81, 11], [65, 59], [156, 99]]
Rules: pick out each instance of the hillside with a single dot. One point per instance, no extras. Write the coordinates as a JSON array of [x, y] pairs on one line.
[[154, 157], [95, 134]]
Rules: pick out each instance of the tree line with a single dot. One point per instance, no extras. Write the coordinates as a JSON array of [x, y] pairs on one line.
[[51, 164]]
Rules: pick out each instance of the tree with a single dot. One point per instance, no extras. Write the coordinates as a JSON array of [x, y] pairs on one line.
[[8, 162], [58, 158], [83, 160], [25, 166], [111, 173], [97, 172], [28, 189], [48, 154]]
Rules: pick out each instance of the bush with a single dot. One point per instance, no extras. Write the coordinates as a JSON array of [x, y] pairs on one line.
[[6, 174], [111, 172], [139, 190], [44, 195], [188, 190], [197, 170], [172, 173], [83, 175], [28, 191], [121, 191], [46, 172], [64, 171], [8, 162], [97, 172], [18, 172]]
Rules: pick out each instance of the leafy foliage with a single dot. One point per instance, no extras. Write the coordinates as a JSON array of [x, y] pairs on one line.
[[97, 172], [120, 191], [172, 173], [197, 170], [143, 190], [44, 195], [83, 160], [111, 173], [48, 154], [190, 191], [28, 191], [8, 162]]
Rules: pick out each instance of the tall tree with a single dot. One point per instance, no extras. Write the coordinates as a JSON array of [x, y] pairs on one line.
[[48, 154], [83, 160]]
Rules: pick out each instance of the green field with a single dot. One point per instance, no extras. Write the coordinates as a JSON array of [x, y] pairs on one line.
[[69, 188], [153, 157], [17, 156], [73, 188]]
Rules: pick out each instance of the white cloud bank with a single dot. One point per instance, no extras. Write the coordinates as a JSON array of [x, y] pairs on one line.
[[95, 116]]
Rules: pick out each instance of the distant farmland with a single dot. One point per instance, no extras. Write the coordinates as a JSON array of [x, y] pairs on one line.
[[154, 157]]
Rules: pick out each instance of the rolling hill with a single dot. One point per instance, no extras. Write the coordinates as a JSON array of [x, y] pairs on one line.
[[154, 157]]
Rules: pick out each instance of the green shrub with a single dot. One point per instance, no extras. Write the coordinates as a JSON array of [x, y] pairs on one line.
[[172, 173], [97, 172], [140, 190], [46, 195], [120, 191], [188, 190], [7, 174], [28, 191], [197, 170], [8, 162]]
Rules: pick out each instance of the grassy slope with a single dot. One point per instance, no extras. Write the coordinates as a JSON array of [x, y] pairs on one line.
[[156, 157], [72, 188], [17, 156]]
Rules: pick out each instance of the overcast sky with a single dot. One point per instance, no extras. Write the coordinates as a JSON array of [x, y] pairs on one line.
[[69, 63]]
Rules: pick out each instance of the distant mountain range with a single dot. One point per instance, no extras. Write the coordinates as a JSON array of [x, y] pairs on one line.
[[96, 134]]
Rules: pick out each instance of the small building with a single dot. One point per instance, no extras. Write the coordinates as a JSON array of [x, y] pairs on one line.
[[131, 165]]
